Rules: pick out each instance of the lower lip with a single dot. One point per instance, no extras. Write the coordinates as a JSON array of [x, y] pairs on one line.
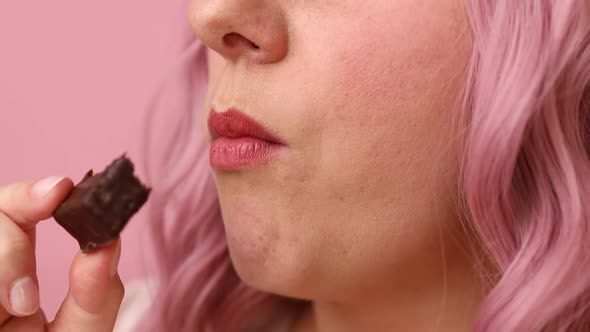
[[235, 153]]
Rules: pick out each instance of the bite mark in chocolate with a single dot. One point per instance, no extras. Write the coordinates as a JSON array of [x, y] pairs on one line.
[[100, 205]]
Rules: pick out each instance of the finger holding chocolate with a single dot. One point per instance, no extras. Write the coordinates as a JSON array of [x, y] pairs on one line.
[[100, 205]]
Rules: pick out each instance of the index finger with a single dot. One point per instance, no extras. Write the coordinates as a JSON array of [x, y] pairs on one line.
[[26, 203]]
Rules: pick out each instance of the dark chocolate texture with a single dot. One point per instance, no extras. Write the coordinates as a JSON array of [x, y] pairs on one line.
[[97, 208]]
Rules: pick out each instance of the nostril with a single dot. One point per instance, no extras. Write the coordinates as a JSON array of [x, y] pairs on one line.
[[235, 39]]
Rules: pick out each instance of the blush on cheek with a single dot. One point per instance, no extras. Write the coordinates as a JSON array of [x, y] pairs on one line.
[[395, 50]]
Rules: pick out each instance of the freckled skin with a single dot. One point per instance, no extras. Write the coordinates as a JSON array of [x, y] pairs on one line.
[[365, 99]]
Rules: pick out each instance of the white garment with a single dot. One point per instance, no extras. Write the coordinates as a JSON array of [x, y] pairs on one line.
[[137, 299]]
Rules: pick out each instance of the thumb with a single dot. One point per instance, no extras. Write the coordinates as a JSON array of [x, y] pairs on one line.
[[95, 294]]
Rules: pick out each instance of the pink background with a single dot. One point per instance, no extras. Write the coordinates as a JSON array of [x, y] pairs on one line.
[[75, 78]]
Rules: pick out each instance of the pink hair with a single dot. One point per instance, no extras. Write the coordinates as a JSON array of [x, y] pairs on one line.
[[525, 176], [527, 169]]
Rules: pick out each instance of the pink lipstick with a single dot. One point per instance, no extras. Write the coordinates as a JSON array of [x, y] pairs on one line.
[[239, 141]]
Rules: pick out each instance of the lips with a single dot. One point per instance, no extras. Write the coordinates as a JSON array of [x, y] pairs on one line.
[[239, 141]]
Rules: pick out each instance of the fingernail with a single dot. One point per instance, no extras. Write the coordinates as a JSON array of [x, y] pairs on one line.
[[116, 257], [44, 186], [24, 296]]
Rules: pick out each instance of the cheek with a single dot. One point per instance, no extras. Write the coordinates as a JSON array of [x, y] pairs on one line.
[[382, 112], [388, 99]]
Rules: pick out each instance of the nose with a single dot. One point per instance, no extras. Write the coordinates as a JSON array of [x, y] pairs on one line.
[[252, 30]]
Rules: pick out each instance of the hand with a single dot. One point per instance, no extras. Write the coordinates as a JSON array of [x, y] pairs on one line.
[[95, 289]]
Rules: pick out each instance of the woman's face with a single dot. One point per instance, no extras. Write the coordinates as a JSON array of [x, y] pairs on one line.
[[363, 94]]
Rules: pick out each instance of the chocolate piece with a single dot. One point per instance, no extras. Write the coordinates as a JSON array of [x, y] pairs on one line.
[[97, 208]]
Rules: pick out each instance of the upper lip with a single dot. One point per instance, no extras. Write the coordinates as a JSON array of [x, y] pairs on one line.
[[235, 124]]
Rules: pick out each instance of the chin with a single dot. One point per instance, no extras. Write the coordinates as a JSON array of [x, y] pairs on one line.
[[261, 257]]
